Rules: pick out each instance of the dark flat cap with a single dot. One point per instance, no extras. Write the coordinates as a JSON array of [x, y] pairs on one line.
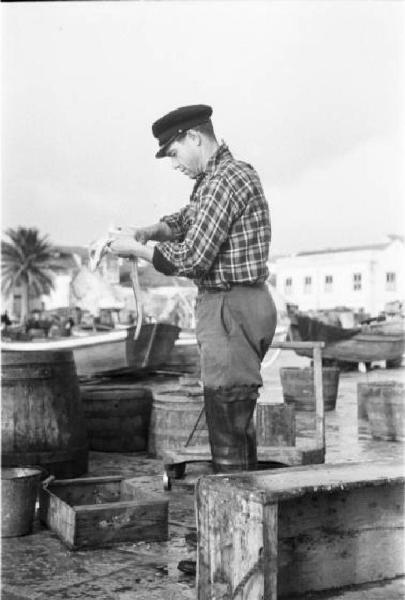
[[168, 127]]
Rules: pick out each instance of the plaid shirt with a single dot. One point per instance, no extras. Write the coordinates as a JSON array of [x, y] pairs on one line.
[[222, 236]]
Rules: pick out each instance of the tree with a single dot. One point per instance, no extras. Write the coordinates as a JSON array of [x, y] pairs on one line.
[[27, 263]]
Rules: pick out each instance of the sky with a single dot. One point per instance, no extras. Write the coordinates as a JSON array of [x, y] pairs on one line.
[[311, 93]]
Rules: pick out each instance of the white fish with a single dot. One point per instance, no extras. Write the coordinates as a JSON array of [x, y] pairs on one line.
[[100, 248], [97, 250]]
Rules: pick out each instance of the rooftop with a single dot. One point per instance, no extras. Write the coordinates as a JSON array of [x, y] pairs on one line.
[[358, 248]]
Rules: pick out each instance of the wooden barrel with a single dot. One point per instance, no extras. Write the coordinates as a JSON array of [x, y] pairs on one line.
[[383, 406], [117, 416], [42, 416], [298, 387], [175, 412]]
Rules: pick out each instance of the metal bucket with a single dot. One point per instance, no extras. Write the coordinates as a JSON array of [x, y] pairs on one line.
[[19, 490]]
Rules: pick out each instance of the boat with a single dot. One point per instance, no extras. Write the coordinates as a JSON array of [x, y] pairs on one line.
[[112, 351], [371, 342]]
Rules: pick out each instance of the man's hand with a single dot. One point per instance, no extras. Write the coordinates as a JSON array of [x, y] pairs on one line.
[[140, 234], [160, 232], [127, 247], [144, 234]]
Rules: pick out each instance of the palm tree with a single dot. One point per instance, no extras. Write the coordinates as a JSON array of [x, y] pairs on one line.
[[26, 262]]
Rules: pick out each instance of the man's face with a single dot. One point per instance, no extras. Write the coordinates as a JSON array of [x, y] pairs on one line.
[[186, 156]]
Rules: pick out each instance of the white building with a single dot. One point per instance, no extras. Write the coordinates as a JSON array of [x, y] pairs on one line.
[[361, 277]]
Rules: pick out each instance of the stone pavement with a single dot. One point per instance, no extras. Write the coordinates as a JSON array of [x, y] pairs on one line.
[[40, 567]]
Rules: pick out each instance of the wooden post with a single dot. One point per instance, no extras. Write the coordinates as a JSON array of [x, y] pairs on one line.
[[319, 405], [316, 348]]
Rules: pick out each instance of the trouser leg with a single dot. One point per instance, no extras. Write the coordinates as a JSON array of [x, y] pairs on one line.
[[229, 413], [234, 330]]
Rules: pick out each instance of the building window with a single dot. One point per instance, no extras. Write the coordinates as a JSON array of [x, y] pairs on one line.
[[328, 283], [357, 281], [307, 285], [288, 285], [390, 281]]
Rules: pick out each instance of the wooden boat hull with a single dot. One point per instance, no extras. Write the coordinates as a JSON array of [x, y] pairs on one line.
[[362, 347], [149, 351], [112, 351]]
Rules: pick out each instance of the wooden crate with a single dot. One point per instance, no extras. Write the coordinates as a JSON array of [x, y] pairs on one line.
[[297, 530], [99, 511], [275, 424]]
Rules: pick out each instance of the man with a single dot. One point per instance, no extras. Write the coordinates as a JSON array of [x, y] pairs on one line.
[[5, 321], [220, 240]]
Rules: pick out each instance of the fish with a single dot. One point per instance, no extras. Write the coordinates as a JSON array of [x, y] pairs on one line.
[[100, 248], [97, 250]]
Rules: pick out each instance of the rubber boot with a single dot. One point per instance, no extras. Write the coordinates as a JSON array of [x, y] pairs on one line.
[[232, 434]]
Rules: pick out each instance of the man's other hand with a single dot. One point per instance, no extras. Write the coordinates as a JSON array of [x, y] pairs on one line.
[[127, 247], [140, 234], [144, 234]]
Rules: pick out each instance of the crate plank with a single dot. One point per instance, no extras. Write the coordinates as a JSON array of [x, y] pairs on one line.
[[88, 490], [347, 537], [229, 561], [58, 515], [120, 522]]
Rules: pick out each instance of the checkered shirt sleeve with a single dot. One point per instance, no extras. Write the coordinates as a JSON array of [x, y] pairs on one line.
[[223, 235]]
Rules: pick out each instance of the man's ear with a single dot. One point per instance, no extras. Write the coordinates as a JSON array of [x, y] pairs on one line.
[[195, 136]]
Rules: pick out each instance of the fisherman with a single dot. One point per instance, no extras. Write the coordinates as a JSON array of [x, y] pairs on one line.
[[220, 240], [5, 318], [5, 321]]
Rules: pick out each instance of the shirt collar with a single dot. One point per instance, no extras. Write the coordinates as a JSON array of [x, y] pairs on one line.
[[219, 155]]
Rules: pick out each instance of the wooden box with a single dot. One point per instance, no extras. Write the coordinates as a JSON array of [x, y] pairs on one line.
[[99, 511], [285, 533], [275, 424]]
